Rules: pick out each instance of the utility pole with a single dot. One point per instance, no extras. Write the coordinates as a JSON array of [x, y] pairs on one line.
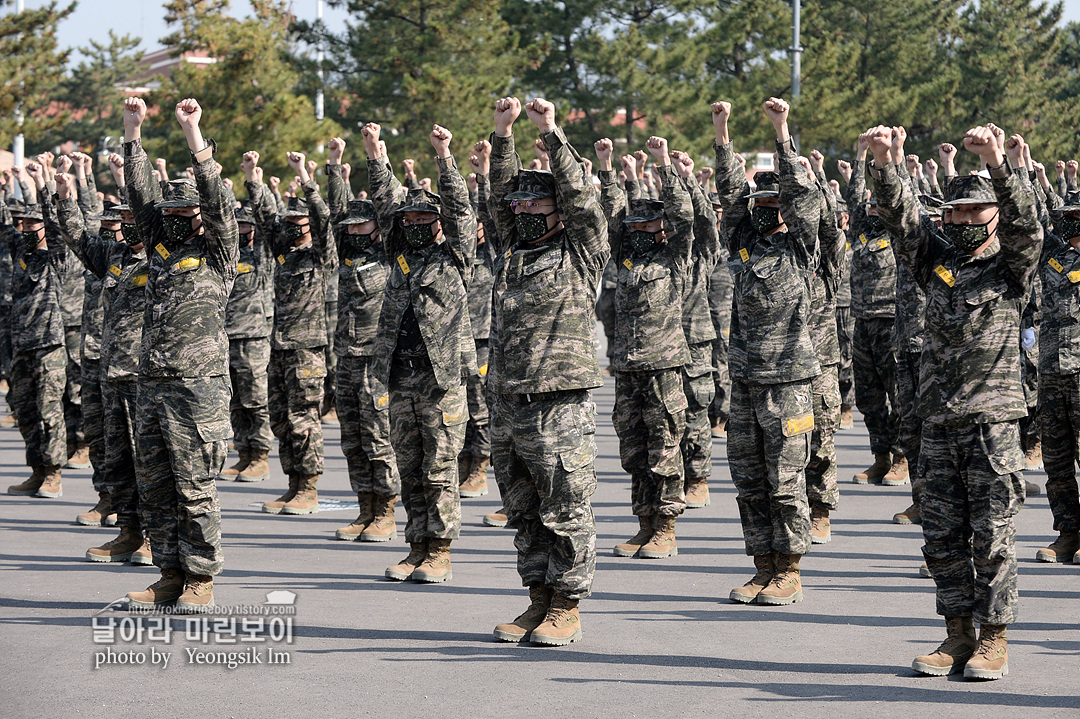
[[319, 60], [796, 58]]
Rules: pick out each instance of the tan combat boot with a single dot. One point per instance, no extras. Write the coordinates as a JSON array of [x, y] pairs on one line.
[[404, 569], [258, 468], [661, 544], [101, 513], [630, 547], [351, 532], [330, 417], [846, 420], [51, 486], [274, 507], [747, 592], [30, 487], [496, 519], [436, 566], [464, 464], [119, 549], [562, 624], [79, 457], [876, 471], [898, 474], [820, 526], [924, 571], [1031, 489], [519, 629], [1063, 549], [991, 658], [957, 648], [697, 493], [1033, 457], [911, 515], [231, 473], [198, 596], [165, 590], [786, 584], [306, 500], [476, 483], [144, 555], [719, 428], [9, 421], [383, 527]]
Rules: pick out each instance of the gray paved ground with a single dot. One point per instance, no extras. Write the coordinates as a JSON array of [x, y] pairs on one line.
[[660, 639]]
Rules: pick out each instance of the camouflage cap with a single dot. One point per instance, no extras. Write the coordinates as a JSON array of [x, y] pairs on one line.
[[768, 185], [29, 212], [533, 185], [644, 210], [180, 193], [110, 213], [420, 200], [297, 207], [1072, 202], [360, 211], [244, 212], [970, 190], [15, 206], [931, 205], [841, 205]]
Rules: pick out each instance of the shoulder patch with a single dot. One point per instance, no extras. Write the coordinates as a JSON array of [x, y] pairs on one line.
[[403, 264], [1058, 267], [945, 275], [744, 255], [162, 251], [628, 264]]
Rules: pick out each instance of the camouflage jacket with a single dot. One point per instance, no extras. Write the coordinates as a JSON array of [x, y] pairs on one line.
[[431, 280], [1059, 311], [483, 272], [188, 285], [825, 283], [245, 315], [697, 321], [36, 286], [843, 290], [545, 293], [651, 286], [8, 236], [362, 277], [122, 275], [909, 326], [92, 310], [970, 367], [299, 277], [770, 319], [873, 266]]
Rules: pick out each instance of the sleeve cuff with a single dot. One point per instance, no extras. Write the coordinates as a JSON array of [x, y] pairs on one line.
[[1001, 171], [207, 153], [553, 139]]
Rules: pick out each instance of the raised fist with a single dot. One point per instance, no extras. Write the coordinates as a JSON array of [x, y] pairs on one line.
[[311, 167], [740, 160], [116, 162], [982, 142], [684, 164], [1014, 146], [65, 183], [931, 167], [629, 165], [1070, 169], [879, 140], [64, 164], [370, 133], [296, 162], [188, 113], [817, 162], [642, 160], [507, 110], [248, 164], [440, 140], [482, 152], [721, 113], [275, 182], [899, 137], [1059, 166], [334, 150], [604, 148], [408, 166], [777, 111], [542, 114], [134, 112], [658, 147], [470, 179]]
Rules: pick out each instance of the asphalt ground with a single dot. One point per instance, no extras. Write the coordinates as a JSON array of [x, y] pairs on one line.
[[660, 638]]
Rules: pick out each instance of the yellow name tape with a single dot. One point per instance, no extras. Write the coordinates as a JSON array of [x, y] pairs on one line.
[[162, 251], [403, 264], [1055, 264], [945, 275]]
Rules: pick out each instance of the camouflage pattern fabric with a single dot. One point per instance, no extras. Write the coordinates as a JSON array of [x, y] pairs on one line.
[[909, 427], [845, 335], [544, 453], [873, 266], [329, 354], [245, 315], [478, 431], [876, 397], [72, 400], [37, 320], [721, 287], [120, 397], [37, 389], [697, 321], [1059, 424], [93, 409], [974, 488], [700, 389], [605, 307], [295, 390], [249, 411], [93, 315], [427, 429], [365, 430], [821, 487]]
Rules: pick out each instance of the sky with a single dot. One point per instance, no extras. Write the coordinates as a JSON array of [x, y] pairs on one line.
[[145, 18]]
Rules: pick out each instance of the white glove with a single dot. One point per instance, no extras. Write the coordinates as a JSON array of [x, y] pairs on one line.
[[1027, 338]]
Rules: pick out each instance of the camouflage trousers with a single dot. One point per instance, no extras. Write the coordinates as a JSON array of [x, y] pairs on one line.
[[909, 436], [37, 391], [974, 488], [650, 419], [331, 358], [543, 453], [768, 450], [427, 430], [365, 430], [93, 418], [182, 425], [296, 385], [73, 390], [700, 389], [121, 398], [845, 332], [1059, 423], [875, 381], [478, 430], [822, 490], [720, 298], [1029, 376], [249, 411], [5, 341], [605, 312]]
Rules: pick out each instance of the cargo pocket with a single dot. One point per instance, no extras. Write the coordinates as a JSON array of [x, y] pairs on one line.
[[1001, 443], [580, 478], [216, 430]]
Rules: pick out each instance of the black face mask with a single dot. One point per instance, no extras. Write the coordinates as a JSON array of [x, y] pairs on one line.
[[108, 235], [968, 237], [30, 239], [642, 241], [131, 233], [532, 227], [874, 225], [178, 228], [765, 219], [1068, 228], [247, 238], [294, 232], [420, 235], [363, 241]]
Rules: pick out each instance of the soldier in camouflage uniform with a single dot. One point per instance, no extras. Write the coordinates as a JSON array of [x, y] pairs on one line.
[[774, 251], [363, 270], [975, 272], [39, 358], [249, 349], [1059, 376], [118, 260], [873, 305], [652, 243], [182, 403], [6, 228], [71, 306], [303, 247], [552, 252], [424, 350], [721, 288], [605, 309], [845, 322]]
